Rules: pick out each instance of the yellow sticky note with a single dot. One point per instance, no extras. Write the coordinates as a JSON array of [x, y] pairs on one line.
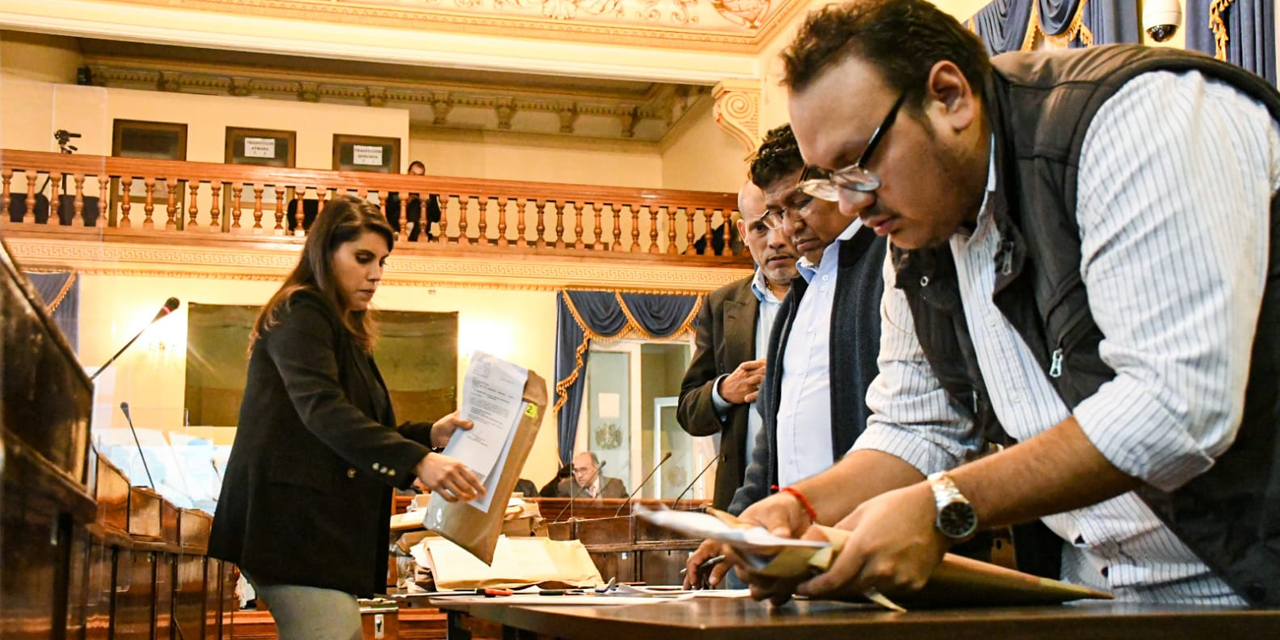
[[531, 411]]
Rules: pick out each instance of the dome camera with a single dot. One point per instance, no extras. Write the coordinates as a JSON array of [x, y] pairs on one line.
[[1160, 18]]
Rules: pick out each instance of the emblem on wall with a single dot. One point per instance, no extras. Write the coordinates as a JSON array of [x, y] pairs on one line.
[[607, 436]]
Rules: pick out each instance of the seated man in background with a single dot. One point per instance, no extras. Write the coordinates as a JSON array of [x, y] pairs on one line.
[[719, 390], [587, 482], [822, 353]]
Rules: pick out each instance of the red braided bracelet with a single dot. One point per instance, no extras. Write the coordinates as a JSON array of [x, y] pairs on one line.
[[804, 502]]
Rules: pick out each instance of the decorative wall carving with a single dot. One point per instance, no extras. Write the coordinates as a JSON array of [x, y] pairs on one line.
[[696, 20], [737, 110], [269, 264], [649, 120]]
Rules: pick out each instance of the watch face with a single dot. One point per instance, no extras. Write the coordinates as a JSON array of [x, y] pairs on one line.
[[957, 520]]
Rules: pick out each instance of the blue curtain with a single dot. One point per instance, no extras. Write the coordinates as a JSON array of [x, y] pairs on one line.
[[1247, 25], [584, 315], [1004, 24], [61, 295]]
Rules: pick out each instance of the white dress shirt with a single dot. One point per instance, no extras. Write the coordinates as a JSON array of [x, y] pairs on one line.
[[1176, 177], [803, 438], [766, 313]]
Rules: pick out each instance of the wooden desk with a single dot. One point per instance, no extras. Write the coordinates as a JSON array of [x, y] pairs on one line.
[[743, 619]]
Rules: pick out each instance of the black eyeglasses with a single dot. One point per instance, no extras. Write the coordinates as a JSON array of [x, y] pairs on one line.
[[854, 177]]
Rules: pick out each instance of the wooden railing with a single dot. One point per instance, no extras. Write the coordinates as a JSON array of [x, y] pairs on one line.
[[203, 198]]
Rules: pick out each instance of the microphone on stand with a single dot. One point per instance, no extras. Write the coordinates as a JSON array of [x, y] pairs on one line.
[[573, 495], [124, 406], [169, 306], [718, 458], [665, 457]]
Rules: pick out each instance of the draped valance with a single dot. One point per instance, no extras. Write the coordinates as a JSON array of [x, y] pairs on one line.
[[584, 316]]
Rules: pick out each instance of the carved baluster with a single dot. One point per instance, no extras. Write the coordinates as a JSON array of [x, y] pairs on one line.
[[6, 175], [55, 198], [689, 249], [578, 241], [443, 237], [560, 204], [322, 196], [726, 218], [257, 207], [77, 204], [382, 207], [653, 228], [172, 189], [194, 209], [215, 210], [502, 222], [520, 226], [299, 195], [104, 187], [541, 207], [709, 215], [635, 229], [126, 187], [237, 190], [29, 211], [597, 242], [463, 207], [482, 238], [149, 206], [279, 229], [617, 226], [671, 231]]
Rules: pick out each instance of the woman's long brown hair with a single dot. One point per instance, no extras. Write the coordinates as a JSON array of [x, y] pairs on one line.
[[344, 219]]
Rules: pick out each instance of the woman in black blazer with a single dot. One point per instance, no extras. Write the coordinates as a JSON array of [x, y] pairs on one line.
[[306, 498]]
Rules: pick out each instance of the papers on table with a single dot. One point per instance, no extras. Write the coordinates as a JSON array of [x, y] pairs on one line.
[[517, 562], [492, 398]]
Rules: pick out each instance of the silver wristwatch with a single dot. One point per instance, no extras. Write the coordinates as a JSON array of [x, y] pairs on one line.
[[956, 518]]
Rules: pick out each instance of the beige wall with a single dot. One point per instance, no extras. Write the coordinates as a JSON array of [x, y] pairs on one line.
[[697, 154], [151, 376], [539, 158], [35, 56], [30, 111]]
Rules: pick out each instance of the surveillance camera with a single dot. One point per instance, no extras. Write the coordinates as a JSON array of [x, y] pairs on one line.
[[1161, 18]]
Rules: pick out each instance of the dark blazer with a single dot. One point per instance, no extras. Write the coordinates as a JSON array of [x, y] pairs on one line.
[[854, 345], [726, 337], [609, 488], [306, 496]]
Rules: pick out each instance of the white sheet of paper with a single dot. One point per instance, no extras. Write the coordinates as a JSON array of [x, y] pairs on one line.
[[704, 525], [511, 559], [491, 481], [492, 398]]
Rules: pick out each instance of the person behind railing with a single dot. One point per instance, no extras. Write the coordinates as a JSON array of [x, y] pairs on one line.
[[413, 208], [305, 500]]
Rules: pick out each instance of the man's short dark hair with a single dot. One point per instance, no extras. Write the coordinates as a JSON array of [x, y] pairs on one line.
[[903, 39], [417, 163], [778, 157]]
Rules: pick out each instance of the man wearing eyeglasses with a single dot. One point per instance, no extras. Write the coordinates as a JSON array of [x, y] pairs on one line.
[[720, 387], [1085, 262], [822, 353]]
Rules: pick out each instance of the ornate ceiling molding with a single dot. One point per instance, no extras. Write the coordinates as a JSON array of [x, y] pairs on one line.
[[652, 116], [737, 24], [272, 263]]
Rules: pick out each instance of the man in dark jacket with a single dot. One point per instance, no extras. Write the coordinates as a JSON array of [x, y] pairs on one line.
[[1073, 271], [822, 352], [720, 387]]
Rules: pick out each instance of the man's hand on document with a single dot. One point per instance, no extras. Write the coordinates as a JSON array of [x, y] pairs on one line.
[[444, 428], [449, 478], [893, 546], [783, 515]]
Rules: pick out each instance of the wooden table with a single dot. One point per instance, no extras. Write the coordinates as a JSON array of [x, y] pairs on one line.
[[743, 619]]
